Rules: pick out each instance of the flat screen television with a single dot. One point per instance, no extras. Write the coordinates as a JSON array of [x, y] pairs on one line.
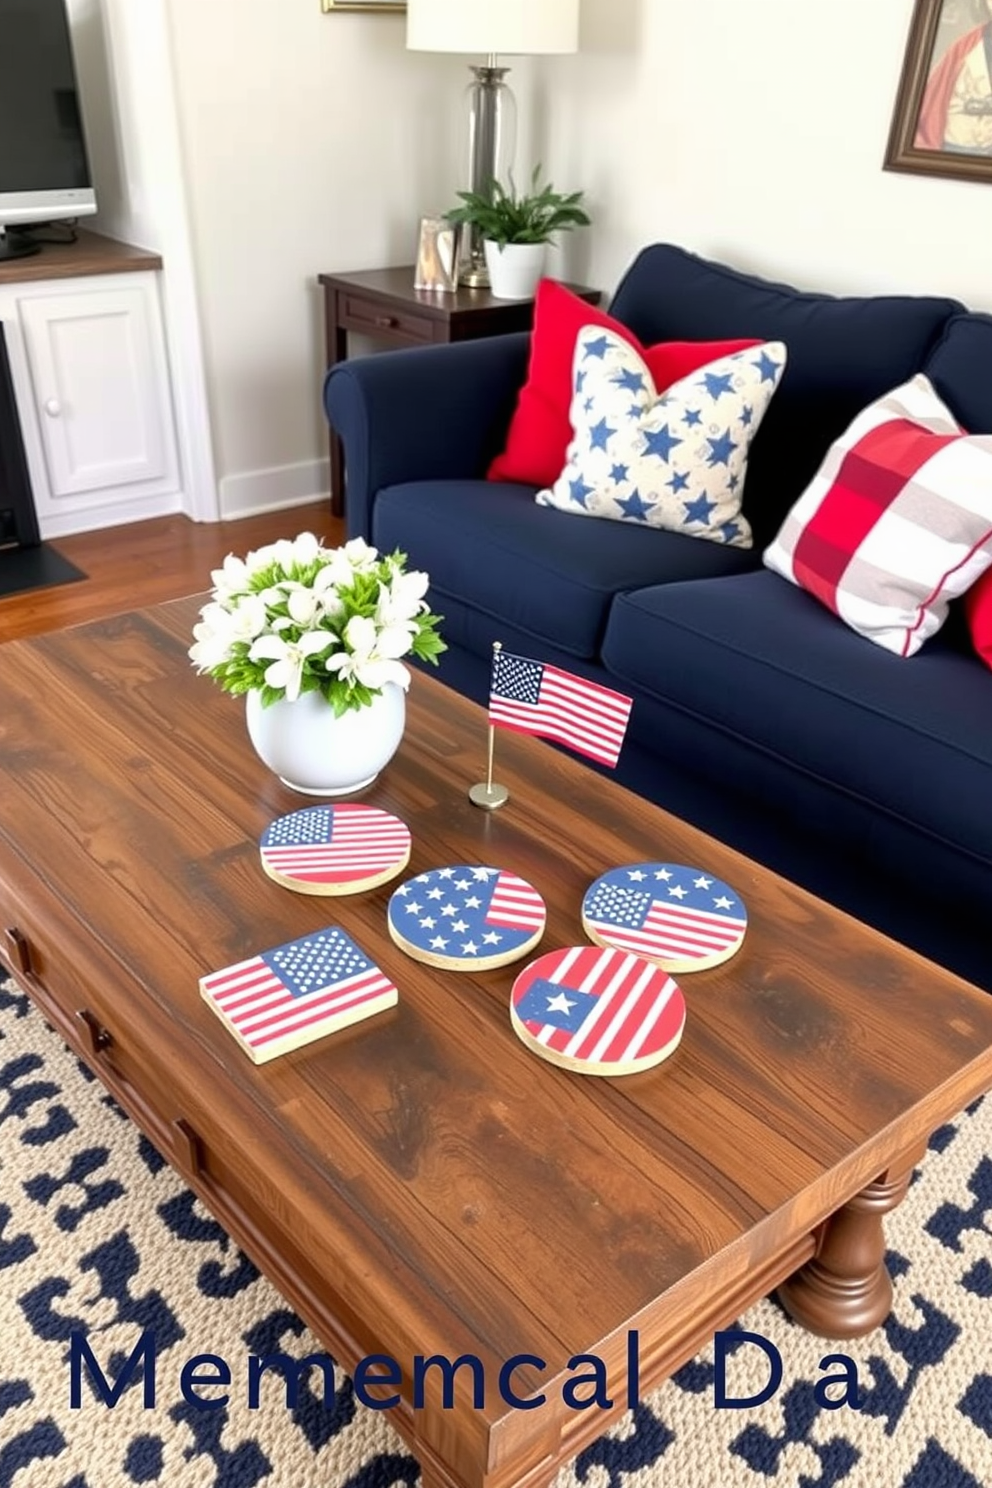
[[44, 166]]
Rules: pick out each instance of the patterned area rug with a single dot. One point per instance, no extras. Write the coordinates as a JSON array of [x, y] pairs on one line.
[[98, 1236]]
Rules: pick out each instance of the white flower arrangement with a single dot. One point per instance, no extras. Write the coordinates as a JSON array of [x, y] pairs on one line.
[[296, 617]]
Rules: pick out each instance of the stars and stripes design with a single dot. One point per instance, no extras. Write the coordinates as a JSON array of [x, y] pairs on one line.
[[335, 846], [535, 698], [681, 917], [297, 992], [597, 1010], [466, 916]]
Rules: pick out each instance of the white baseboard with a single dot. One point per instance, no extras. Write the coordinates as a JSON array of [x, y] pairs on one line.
[[113, 514], [258, 491]]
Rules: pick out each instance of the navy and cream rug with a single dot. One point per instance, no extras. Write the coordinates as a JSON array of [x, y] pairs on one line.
[[99, 1237]]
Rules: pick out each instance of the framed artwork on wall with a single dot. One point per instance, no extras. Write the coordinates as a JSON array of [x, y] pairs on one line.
[[371, 5], [942, 124]]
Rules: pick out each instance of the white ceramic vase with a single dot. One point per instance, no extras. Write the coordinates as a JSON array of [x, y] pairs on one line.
[[514, 268], [314, 752]]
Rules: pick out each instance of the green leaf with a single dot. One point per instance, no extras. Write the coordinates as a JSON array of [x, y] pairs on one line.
[[534, 217]]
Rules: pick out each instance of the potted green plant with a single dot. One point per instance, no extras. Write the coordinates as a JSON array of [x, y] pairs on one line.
[[516, 228]]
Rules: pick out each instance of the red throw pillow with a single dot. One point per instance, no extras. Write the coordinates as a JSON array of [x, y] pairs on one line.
[[540, 431], [978, 613]]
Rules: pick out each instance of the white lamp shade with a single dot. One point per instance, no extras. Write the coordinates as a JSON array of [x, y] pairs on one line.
[[524, 27]]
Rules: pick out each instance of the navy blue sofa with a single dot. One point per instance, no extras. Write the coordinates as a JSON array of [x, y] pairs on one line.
[[757, 714]]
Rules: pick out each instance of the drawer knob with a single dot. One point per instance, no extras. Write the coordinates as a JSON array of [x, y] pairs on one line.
[[96, 1037], [388, 322], [19, 950], [190, 1148]]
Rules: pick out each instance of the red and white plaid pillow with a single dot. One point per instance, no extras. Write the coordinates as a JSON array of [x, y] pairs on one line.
[[896, 522]]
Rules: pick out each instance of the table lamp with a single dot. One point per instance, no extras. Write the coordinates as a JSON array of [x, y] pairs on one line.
[[521, 27]]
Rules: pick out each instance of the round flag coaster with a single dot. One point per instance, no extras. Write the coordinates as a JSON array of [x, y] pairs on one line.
[[681, 918], [335, 849], [597, 1011], [466, 919]]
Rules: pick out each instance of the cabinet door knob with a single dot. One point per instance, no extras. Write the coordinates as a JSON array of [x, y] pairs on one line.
[[98, 1039], [388, 322], [19, 950], [53, 408]]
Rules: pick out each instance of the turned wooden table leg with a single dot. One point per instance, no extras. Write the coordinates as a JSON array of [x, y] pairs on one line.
[[845, 1290]]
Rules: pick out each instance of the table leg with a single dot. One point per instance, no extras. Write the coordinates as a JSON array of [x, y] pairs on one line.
[[845, 1290]]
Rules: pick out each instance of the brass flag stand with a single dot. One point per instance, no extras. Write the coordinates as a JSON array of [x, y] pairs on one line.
[[486, 794]]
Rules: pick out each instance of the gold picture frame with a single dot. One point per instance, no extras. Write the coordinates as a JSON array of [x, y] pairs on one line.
[[947, 39], [370, 5]]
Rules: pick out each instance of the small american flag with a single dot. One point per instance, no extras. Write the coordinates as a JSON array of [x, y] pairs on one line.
[[599, 1007], [665, 911], [297, 992], [335, 844], [535, 698]]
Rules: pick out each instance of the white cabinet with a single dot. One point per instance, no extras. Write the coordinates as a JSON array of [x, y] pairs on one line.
[[93, 394]]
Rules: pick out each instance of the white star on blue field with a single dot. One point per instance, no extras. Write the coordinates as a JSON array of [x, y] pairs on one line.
[[673, 459]]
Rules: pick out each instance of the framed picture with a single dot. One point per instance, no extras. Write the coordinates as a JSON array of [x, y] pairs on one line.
[[942, 125], [363, 5]]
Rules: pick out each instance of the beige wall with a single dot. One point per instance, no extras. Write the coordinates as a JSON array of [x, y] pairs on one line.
[[754, 131], [310, 142]]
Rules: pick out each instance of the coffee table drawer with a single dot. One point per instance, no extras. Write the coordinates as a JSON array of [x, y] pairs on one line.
[[91, 1018]]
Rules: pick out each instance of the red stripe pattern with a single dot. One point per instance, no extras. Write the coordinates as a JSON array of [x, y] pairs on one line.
[[897, 521], [335, 844], [515, 904], [534, 698], [599, 1008], [297, 992]]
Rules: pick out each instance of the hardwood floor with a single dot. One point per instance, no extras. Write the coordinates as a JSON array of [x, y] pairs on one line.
[[147, 562]]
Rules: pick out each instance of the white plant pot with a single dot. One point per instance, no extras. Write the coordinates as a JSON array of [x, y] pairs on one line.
[[314, 752], [514, 268]]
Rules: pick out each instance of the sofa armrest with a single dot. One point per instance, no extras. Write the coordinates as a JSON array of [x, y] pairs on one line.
[[433, 412]]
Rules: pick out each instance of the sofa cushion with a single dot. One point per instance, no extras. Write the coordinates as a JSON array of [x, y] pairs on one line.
[[896, 523], [540, 430], [843, 353], [675, 461], [959, 366], [764, 664], [491, 548]]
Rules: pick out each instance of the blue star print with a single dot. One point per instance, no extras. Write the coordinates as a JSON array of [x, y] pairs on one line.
[[629, 379], [679, 481], [699, 510], [717, 385], [599, 434], [692, 418], [635, 507], [721, 449], [660, 443], [578, 490], [747, 414], [618, 473], [767, 367], [597, 348]]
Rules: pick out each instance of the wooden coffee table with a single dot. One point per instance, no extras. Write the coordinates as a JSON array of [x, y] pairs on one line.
[[421, 1184]]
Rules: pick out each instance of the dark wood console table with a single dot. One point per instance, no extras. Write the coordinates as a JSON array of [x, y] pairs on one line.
[[384, 304]]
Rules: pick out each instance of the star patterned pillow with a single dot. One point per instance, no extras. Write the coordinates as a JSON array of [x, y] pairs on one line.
[[676, 461]]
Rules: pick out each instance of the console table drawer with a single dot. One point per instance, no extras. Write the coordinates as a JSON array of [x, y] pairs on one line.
[[375, 319]]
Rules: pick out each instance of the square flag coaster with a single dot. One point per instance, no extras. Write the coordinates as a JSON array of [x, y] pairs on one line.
[[297, 992]]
